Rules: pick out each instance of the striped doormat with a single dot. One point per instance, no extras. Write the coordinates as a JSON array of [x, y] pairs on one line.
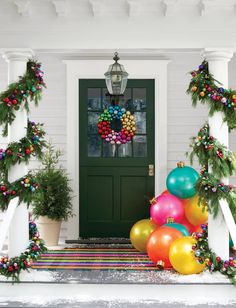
[[94, 258]]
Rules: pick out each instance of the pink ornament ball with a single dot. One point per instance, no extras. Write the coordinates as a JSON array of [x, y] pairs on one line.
[[167, 207]]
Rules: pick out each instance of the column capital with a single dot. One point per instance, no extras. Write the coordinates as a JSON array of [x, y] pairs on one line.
[[17, 54], [218, 54]]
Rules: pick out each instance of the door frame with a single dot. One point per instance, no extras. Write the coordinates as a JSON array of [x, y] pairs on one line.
[[94, 69]]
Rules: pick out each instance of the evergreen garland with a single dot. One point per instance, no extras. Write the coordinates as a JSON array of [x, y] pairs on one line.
[[213, 262], [22, 188], [20, 93], [211, 152], [205, 89], [210, 191], [17, 152], [12, 267]]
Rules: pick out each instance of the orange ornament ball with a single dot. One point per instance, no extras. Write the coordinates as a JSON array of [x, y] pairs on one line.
[[159, 243]]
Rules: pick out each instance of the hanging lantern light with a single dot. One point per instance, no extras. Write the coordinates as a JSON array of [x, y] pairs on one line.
[[116, 77]]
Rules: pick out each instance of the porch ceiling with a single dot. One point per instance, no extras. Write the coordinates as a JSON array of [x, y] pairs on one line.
[[117, 24]]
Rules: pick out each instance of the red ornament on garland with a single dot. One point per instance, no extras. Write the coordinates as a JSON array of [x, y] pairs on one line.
[[3, 188], [9, 152], [27, 151]]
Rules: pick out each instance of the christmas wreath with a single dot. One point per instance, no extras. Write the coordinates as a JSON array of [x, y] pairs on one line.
[[11, 267], [116, 125]]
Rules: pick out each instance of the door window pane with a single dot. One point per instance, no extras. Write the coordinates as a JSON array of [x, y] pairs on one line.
[[139, 98], [109, 150], [126, 100], [94, 98], [140, 118], [140, 146], [125, 150], [92, 122], [105, 99], [94, 146]]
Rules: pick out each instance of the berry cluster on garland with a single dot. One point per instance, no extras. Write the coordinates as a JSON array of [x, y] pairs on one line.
[[11, 267], [114, 117]]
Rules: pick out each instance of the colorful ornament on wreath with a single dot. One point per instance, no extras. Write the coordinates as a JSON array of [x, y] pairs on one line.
[[12, 267], [116, 116]]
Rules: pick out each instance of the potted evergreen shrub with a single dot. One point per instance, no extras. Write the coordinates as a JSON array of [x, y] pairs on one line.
[[52, 204]]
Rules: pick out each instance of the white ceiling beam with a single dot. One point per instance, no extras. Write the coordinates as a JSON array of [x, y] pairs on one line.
[[23, 7], [98, 7], [169, 7], [206, 6], [61, 7], [134, 8]]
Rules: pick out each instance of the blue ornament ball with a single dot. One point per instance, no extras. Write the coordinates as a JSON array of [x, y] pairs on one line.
[[181, 181]]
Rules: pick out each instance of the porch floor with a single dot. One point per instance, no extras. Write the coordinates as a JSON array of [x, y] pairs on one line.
[[116, 288]]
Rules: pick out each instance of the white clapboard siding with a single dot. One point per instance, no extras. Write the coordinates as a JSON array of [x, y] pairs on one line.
[[183, 120]]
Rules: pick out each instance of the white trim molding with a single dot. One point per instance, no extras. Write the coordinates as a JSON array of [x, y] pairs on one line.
[[23, 7], [94, 69]]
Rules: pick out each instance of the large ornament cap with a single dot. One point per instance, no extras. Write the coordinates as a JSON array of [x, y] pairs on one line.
[[180, 164]]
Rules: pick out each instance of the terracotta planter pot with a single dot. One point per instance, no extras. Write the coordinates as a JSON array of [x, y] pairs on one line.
[[49, 230]]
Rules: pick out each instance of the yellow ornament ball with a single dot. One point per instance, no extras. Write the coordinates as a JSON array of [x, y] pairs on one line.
[[195, 213], [202, 94], [182, 256], [140, 233]]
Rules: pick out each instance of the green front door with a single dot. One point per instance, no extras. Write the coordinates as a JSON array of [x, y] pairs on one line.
[[115, 185]]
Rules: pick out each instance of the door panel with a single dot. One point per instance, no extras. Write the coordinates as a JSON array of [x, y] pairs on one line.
[[114, 183]]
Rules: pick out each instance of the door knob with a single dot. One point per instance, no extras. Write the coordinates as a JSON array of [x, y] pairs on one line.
[[151, 170]]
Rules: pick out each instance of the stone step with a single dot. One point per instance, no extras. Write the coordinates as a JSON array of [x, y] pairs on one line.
[[127, 287]]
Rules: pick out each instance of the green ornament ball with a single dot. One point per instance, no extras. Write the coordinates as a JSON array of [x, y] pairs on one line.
[[181, 181], [179, 227]]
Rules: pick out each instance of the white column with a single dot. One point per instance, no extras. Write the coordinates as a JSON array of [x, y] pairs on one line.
[[217, 228], [19, 228]]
